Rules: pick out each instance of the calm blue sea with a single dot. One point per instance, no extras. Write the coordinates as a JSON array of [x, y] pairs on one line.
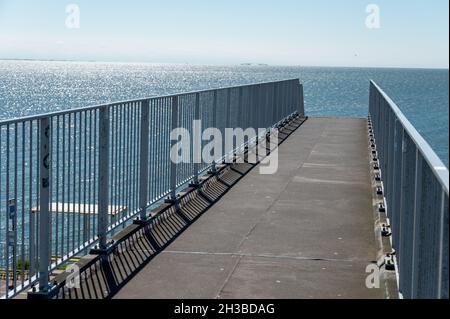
[[30, 87]]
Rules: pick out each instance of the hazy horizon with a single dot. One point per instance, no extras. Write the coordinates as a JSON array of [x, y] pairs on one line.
[[252, 64], [406, 34]]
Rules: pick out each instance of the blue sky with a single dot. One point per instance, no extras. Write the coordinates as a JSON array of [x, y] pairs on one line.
[[413, 33]]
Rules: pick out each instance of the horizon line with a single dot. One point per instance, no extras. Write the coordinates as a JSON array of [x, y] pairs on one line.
[[250, 64]]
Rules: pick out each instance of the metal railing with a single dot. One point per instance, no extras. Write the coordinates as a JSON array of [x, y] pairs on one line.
[[416, 191], [69, 179]]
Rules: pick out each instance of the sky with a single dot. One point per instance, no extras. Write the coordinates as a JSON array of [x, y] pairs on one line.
[[411, 33]]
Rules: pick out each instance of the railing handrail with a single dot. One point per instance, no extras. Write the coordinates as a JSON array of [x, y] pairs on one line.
[[439, 169], [99, 106]]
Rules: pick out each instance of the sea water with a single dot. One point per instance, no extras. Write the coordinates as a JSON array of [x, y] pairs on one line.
[[34, 87]]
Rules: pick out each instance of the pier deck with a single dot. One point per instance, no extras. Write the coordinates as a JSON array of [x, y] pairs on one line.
[[305, 232]]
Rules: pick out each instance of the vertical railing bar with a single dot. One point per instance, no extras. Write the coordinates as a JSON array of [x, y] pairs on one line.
[[396, 184], [116, 160], [417, 220], [103, 179], [63, 195], [85, 183], [167, 143], [32, 219], [302, 100], [160, 163], [114, 140], [227, 124], [213, 165], [135, 141], [127, 131], [74, 181], [8, 135], [157, 113], [1, 174], [132, 142], [14, 221], [283, 101], [258, 112], [22, 238], [388, 168], [144, 159], [137, 123], [163, 145], [120, 159], [69, 151], [89, 193], [122, 167], [114, 131], [114, 127], [37, 186], [57, 164], [196, 148], [124, 158], [44, 222], [173, 166], [51, 188], [280, 105], [167, 140], [180, 124], [80, 241], [126, 191], [190, 116], [95, 174], [150, 179], [275, 104], [241, 114]]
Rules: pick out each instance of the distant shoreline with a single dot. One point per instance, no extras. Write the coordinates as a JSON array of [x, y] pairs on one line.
[[225, 65]]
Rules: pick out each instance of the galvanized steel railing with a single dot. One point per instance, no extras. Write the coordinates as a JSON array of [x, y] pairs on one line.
[[416, 191], [69, 179]]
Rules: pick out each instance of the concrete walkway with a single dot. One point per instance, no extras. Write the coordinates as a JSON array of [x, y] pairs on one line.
[[305, 232]]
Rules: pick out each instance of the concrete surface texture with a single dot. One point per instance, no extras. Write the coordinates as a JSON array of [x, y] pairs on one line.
[[305, 232]]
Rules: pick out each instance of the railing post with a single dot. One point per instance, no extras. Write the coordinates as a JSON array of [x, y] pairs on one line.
[[302, 100], [406, 222], [103, 176], [274, 104], [416, 228], [196, 149], [291, 97], [396, 183], [213, 165], [283, 109], [371, 101], [44, 201], [227, 125], [295, 97], [240, 108], [143, 159], [173, 165]]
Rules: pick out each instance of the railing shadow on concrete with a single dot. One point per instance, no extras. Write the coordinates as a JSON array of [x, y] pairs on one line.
[[137, 245], [70, 180], [416, 193]]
